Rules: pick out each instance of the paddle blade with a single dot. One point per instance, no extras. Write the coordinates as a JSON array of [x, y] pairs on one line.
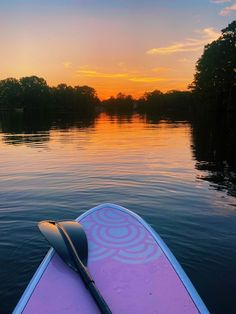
[[77, 235], [55, 239], [62, 236]]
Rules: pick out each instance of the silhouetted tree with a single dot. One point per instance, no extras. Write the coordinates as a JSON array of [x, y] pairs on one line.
[[35, 92], [86, 97], [215, 78], [173, 104], [10, 93], [61, 96], [80, 99], [150, 101], [86, 92], [120, 104]]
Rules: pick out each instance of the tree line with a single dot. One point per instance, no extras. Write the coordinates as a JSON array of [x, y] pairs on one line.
[[33, 94]]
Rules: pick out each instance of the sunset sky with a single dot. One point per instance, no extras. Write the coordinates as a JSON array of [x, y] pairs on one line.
[[130, 46]]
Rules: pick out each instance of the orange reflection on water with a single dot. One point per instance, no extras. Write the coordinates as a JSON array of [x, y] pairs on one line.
[[111, 147]]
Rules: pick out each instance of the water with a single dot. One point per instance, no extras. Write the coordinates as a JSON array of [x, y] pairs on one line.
[[59, 170]]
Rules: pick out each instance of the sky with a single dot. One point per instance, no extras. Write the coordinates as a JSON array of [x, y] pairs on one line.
[[128, 46]]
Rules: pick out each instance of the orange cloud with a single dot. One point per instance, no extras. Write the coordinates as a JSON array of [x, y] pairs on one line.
[[91, 73], [161, 69], [189, 44], [146, 79], [127, 76], [185, 47]]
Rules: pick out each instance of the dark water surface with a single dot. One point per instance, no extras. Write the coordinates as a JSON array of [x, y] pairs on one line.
[[58, 171]]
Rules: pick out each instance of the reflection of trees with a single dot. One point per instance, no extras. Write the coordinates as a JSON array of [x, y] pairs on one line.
[[32, 128], [214, 147], [20, 128], [19, 123], [28, 139]]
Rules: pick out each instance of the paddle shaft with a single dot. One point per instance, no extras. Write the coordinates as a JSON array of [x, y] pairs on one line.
[[86, 277]]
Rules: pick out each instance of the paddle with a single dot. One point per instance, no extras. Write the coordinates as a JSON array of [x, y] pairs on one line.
[[69, 240]]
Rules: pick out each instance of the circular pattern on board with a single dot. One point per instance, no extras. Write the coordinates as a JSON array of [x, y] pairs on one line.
[[117, 235]]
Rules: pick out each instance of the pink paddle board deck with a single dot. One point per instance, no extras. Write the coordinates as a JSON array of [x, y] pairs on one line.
[[132, 267]]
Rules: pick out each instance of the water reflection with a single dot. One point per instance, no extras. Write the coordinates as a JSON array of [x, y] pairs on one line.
[[214, 148], [18, 128], [213, 138]]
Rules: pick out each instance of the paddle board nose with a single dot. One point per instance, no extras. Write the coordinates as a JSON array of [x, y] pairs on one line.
[[133, 269]]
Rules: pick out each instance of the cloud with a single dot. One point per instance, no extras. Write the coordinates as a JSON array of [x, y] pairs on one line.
[[139, 78], [206, 35], [91, 73], [220, 1], [67, 64], [160, 69], [209, 33], [227, 10], [146, 79], [180, 47]]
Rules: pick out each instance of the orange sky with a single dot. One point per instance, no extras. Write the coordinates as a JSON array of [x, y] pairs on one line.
[[114, 46]]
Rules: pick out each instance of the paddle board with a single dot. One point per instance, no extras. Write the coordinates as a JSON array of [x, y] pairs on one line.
[[131, 265]]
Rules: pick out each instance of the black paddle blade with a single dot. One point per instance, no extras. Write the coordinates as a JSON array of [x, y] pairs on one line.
[[77, 235], [57, 239]]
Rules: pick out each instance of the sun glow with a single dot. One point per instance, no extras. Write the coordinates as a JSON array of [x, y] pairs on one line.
[[107, 46]]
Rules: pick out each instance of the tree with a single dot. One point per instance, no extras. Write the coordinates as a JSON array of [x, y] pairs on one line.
[[10, 93], [86, 99], [86, 91], [151, 101], [62, 96], [215, 77], [35, 92], [122, 103]]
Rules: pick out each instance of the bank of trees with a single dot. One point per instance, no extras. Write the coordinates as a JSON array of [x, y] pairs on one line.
[[33, 94], [215, 78], [171, 102], [165, 105]]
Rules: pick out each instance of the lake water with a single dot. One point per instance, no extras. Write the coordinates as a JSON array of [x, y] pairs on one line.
[[59, 170]]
